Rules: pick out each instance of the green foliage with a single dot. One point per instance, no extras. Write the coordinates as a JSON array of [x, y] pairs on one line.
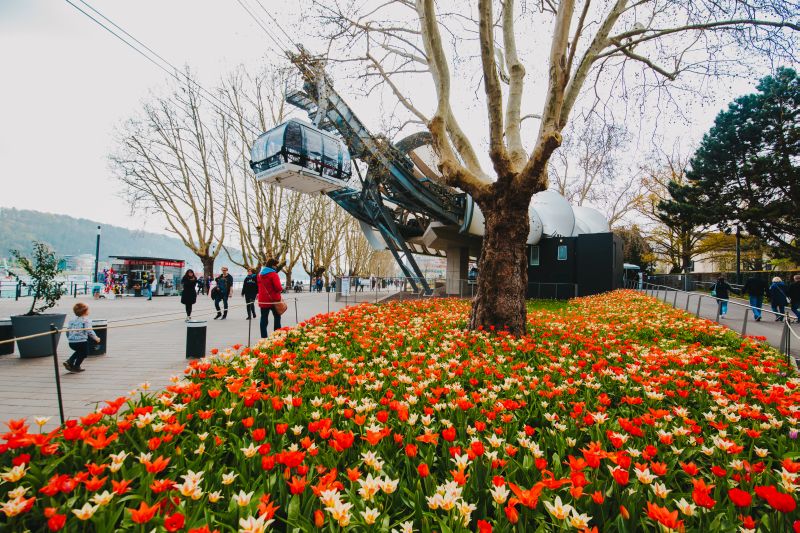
[[746, 170], [636, 248], [43, 270]]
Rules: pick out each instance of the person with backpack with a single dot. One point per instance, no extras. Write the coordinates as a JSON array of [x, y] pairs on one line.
[[250, 292], [777, 298], [221, 293], [722, 292], [755, 288], [794, 296], [269, 296]]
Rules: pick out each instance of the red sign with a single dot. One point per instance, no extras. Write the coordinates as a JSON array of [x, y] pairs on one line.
[[144, 262]]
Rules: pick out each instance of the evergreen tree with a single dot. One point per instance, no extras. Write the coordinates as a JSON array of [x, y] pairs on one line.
[[747, 168]]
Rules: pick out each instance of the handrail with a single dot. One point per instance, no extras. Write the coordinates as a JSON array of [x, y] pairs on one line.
[[786, 335]]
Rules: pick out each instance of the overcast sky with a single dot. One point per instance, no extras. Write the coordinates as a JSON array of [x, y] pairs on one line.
[[66, 83]]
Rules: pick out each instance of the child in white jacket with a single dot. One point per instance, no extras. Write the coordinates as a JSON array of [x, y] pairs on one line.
[[79, 331]]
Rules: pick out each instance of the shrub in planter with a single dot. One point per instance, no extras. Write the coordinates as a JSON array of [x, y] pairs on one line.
[[42, 269]]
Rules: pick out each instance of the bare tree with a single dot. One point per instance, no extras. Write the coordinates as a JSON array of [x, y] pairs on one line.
[[266, 219], [169, 161], [357, 253], [588, 42], [675, 245], [587, 169], [325, 227]]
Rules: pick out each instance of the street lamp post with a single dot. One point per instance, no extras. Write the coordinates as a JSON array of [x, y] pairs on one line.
[[738, 256], [97, 254], [311, 260]]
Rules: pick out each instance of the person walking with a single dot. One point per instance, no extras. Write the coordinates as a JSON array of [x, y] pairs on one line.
[[223, 291], [722, 291], [79, 333], [756, 288], [794, 296], [269, 293], [189, 291], [250, 292], [777, 298]]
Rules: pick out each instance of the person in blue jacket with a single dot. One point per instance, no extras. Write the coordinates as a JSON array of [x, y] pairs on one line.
[[777, 298]]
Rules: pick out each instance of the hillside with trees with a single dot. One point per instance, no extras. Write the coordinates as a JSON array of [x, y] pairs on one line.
[[74, 236]]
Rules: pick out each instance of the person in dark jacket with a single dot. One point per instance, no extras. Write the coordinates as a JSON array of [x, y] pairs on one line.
[[755, 288], [250, 292], [269, 293], [189, 291], [794, 295], [777, 298], [224, 285], [722, 290]]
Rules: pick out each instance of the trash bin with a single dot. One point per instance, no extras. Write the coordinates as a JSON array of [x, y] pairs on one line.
[[100, 326], [6, 333], [195, 339]]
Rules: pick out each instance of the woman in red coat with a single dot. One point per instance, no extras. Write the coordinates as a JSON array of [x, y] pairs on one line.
[[269, 292]]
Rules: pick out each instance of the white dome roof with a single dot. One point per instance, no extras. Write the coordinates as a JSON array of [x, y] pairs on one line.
[[537, 228], [590, 220], [555, 212]]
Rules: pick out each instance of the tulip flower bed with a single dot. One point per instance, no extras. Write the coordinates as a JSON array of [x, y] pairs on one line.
[[616, 413]]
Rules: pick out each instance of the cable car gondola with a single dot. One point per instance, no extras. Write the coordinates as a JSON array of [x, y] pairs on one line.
[[298, 156]]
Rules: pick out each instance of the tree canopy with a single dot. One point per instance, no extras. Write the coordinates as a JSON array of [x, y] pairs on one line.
[[746, 170]]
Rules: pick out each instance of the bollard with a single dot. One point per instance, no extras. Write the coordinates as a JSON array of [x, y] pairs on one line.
[[100, 326], [54, 341], [6, 334], [196, 339]]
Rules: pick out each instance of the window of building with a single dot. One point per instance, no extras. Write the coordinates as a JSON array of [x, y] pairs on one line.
[[534, 258], [562, 252]]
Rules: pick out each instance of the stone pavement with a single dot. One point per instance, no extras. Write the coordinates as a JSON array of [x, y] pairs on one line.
[[146, 353], [768, 328]]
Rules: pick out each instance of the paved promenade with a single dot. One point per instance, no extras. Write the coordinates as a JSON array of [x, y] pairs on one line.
[[137, 354], [768, 327]]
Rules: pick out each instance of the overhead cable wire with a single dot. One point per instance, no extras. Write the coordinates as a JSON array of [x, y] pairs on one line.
[[278, 24], [280, 49], [172, 71]]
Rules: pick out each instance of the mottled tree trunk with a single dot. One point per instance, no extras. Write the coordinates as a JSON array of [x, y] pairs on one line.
[[208, 266], [503, 267]]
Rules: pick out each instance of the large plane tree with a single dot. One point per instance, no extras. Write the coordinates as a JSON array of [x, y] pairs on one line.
[[611, 47]]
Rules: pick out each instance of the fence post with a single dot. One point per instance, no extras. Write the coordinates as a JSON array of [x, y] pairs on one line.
[[675, 299], [699, 300], [744, 322], [54, 343], [718, 311], [295, 309], [249, 322], [784, 345]]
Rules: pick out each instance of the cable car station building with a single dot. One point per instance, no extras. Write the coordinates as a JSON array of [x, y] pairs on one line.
[[403, 205]]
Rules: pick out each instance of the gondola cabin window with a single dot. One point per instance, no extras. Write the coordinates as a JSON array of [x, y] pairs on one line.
[[297, 156]]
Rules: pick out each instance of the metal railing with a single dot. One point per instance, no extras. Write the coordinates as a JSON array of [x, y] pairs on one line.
[[656, 290]]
